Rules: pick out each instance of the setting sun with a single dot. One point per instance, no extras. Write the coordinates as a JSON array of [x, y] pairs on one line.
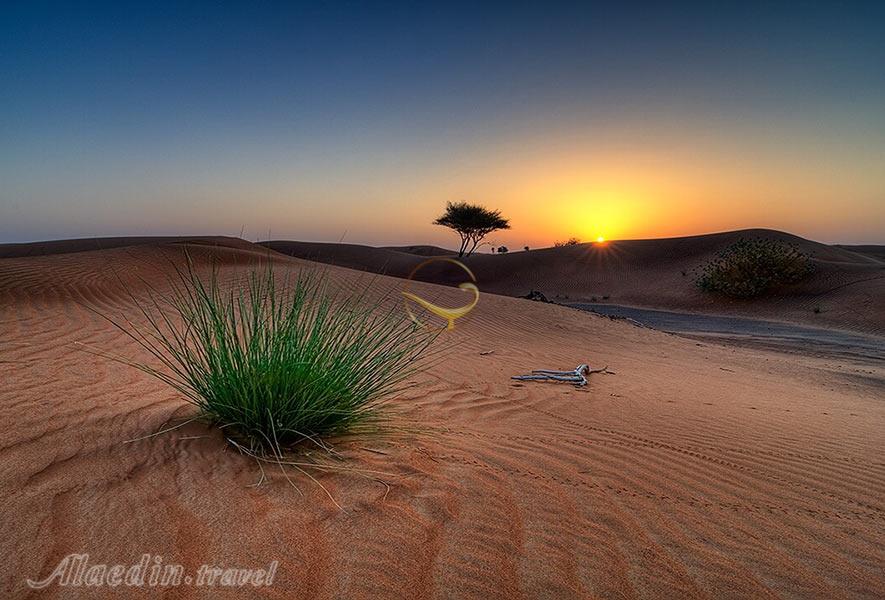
[[600, 240]]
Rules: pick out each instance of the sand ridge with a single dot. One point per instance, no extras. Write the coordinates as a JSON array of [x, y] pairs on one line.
[[845, 292], [695, 471]]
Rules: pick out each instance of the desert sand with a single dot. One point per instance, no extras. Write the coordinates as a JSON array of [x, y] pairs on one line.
[[845, 292], [695, 471]]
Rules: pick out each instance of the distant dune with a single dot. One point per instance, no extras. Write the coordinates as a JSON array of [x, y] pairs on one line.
[[874, 251], [422, 250], [695, 471], [107, 243], [847, 287]]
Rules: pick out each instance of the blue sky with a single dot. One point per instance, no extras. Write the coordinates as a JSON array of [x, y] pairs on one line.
[[360, 120]]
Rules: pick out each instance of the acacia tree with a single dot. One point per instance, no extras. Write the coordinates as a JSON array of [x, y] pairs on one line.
[[472, 222]]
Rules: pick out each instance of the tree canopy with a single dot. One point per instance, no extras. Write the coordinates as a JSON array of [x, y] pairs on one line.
[[472, 222]]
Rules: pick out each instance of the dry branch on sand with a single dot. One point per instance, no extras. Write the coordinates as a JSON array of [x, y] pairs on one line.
[[577, 377]]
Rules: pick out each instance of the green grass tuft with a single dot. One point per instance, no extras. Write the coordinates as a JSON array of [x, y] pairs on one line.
[[275, 363]]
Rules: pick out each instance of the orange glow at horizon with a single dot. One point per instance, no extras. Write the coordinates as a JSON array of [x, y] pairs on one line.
[[552, 187], [650, 192]]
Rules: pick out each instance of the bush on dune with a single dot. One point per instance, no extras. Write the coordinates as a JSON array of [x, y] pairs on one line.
[[750, 267], [274, 365]]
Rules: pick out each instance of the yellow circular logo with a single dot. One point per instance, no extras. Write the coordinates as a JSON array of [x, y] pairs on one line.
[[449, 314]]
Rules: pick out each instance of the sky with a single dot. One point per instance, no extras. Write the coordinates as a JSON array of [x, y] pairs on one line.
[[358, 121]]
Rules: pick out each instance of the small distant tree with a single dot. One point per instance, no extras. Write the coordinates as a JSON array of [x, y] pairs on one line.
[[502, 250], [526, 248], [749, 267], [572, 241], [472, 222]]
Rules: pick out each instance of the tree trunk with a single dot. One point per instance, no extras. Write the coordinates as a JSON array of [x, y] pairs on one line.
[[473, 247]]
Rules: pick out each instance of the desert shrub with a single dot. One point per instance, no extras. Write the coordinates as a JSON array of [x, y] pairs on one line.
[[572, 241], [749, 267], [275, 363]]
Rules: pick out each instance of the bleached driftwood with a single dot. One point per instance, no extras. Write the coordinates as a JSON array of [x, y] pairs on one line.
[[578, 376]]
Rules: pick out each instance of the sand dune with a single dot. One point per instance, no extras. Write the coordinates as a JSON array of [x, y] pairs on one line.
[[695, 471], [846, 289], [107, 243], [422, 250]]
